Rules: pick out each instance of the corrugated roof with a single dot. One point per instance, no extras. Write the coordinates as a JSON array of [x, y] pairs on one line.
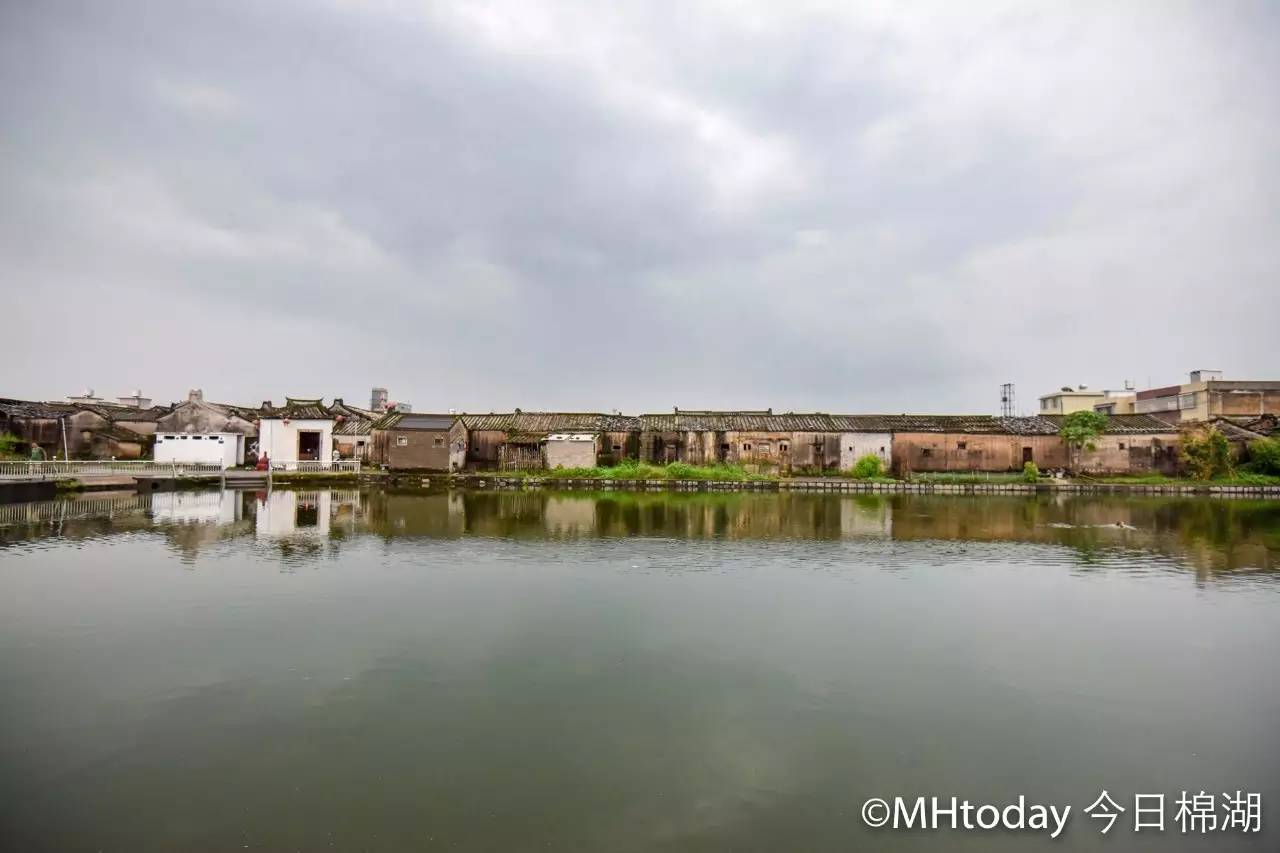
[[353, 426], [414, 420]]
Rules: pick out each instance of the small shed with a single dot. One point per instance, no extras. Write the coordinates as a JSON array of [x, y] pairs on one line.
[[571, 449], [411, 441], [220, 448]]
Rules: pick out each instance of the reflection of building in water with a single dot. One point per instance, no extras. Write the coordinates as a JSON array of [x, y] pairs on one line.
[[569, 515], [223, 507], [866, 515], [104, 505], [284, 513]]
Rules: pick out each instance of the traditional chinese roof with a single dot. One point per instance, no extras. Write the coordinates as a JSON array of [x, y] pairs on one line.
[[1244, 429], [1123, 424], [33, 409], [299, 409], [131, 415], [544, 423], [338, 407]]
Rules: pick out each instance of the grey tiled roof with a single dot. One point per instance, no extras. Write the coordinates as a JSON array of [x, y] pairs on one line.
[[414, 420], [548, 422], [1123, 424], [297, 409]]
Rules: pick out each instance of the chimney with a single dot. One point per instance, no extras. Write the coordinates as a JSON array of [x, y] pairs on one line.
[[195, 395]]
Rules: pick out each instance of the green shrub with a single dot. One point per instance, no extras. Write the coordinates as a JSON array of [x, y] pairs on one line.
[[1030, 472], [1205, 453], [8, 444], [868, 467], [1264, 456]]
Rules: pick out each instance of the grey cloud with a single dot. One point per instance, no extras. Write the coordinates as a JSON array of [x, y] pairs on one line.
[[547, 205]]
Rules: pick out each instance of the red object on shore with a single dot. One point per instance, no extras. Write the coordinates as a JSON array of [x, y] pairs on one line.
[[263, 462]]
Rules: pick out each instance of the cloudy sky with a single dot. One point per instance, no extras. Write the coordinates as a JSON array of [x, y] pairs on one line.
[[810, 206]]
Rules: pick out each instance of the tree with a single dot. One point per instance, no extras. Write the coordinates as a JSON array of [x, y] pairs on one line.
[[1080, 431], [1205, 453]]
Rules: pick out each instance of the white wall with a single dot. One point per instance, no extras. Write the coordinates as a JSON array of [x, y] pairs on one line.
[[855, 445], [571, 454], [280, 440], [220, 448], [281, 511]]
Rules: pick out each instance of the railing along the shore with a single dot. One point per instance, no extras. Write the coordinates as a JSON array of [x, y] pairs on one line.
[[315, 466], [52, 469]]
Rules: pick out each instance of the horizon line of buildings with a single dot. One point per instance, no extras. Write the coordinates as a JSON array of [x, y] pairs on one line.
[[397, 438]]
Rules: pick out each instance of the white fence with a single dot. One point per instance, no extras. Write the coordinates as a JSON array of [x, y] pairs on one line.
[[100, 467], [63, 469], [352, 465]]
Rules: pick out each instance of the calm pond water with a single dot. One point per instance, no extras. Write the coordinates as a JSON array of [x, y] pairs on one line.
[[507, 672]]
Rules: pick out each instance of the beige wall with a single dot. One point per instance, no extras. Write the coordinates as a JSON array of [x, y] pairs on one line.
[[571, 454], [1065, 402]]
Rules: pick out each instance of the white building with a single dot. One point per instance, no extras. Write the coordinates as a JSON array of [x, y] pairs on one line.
[[220, 448], [855, 445], [299, 431], [571, 450]]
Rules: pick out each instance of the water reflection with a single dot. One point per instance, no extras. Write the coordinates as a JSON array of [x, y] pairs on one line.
[[1210, 535], [380, 670]]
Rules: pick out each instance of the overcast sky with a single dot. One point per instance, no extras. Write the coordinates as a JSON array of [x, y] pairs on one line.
[[851, 207]]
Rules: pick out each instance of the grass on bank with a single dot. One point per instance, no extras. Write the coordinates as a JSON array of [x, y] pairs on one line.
[[633, 470], [1240, 479], [965, 478]]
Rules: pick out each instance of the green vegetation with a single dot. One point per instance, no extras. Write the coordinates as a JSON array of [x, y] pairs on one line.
[[1264, 456], [1205, 453], [1236, 479], [631, 469], [9, 445], [868, 467], [1030, 472], [962, 478], [1080, 431]]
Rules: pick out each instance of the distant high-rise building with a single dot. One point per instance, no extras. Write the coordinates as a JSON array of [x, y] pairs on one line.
[[378, 401]]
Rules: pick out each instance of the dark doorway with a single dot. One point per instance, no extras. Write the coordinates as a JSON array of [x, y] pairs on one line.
[[1026, 455], [308, 445], [307, 514]]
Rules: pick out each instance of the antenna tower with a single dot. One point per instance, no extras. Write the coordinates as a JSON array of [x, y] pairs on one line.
[[1008, 402]]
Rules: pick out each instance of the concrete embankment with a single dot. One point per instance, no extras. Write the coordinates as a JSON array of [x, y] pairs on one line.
[[840, 486]]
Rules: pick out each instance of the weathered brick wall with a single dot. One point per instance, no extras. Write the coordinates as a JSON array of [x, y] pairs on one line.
[[424, 449]]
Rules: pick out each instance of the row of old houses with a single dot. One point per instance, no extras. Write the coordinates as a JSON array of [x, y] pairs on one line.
[[811, 443], [789, 442]]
